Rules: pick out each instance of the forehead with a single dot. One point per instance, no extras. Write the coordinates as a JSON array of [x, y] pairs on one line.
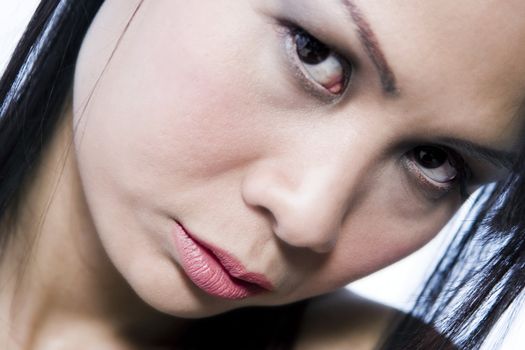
[[461, 62]]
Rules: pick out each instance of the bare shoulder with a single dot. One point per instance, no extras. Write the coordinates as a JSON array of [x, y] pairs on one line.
[[344, 320]]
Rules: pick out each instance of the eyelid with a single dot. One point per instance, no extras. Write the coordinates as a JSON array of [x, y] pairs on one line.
[[289, 29], [333, 38], [433, 189]]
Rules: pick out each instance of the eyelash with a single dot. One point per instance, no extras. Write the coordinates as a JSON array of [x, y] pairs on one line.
[[436, 189], [289, 34]]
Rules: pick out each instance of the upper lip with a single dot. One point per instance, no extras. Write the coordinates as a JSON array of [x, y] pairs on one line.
[[232, 265]]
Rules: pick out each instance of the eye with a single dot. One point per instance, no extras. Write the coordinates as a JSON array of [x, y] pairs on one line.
[[439, 170], [435, 163], [320, 63]]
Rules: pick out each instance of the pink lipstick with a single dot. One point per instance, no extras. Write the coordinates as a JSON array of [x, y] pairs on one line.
[[214, 270]]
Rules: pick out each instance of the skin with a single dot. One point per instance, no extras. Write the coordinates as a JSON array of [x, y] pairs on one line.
[[186, 117]]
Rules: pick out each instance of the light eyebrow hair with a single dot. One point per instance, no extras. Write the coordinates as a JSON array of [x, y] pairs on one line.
[[372, 48], [500, 158]]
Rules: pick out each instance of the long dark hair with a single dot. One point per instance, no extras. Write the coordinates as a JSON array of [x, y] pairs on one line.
[[484, 264], [33, 90]]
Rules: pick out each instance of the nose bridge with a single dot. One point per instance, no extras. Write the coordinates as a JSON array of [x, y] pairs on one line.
[[307, 195]]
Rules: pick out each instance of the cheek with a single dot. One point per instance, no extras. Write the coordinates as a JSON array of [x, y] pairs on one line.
[[385, 229], [162, 123], [183, 115]]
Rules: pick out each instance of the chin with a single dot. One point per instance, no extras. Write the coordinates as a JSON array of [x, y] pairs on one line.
[[186, 302]]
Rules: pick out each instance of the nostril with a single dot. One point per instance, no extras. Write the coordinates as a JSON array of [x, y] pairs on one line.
[[292, 208], [308, 232], [266, 213]]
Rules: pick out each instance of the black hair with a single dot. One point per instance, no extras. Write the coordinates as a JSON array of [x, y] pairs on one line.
[[479, 277], [33, 90]]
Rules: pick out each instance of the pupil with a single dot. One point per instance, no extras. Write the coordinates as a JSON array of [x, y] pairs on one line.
[[309, 49], [431, 157]]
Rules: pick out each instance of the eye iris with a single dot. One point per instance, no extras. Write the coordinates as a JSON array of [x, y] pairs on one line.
[[430, 157], [309, 49]]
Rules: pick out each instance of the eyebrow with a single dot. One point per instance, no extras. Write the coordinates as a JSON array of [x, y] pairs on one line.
[[372, 48], [499, 158]]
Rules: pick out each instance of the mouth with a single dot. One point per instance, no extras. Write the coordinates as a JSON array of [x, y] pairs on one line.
[[214, 270]]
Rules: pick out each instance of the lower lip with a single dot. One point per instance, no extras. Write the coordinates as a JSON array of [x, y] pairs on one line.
[[205, 270]]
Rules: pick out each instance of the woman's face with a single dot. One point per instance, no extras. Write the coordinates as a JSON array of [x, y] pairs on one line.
[[312, 142]]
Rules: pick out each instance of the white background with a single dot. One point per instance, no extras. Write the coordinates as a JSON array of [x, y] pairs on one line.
[[395, 285]]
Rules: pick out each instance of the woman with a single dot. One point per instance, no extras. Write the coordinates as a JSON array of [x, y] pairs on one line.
[[187, 159]]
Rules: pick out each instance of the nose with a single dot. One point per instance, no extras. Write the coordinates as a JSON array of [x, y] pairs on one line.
[[307, 204]]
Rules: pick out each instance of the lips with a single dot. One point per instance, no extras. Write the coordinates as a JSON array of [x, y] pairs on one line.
[[214, 270]]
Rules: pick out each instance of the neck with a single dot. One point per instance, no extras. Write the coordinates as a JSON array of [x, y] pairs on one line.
[[55, 271]]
